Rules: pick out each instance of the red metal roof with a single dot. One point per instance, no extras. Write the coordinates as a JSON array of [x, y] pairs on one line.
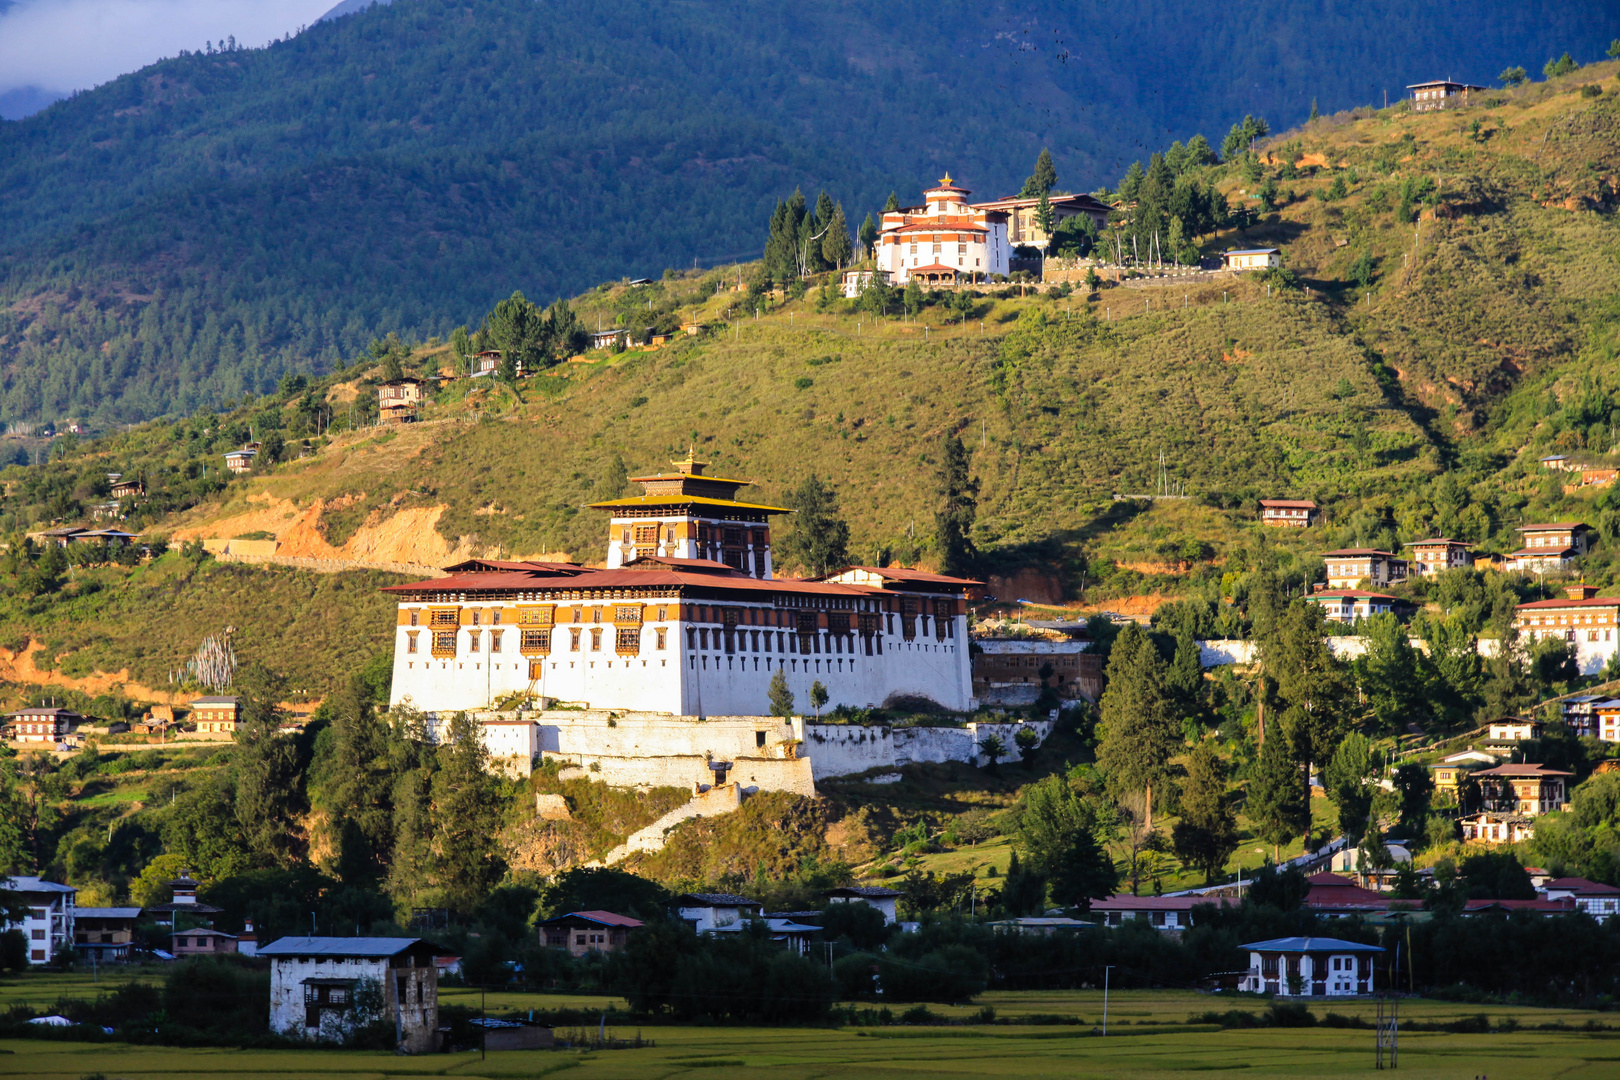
[[1293, 504], [1358, 551], [1549, 907], [1596, 601], [943, 225], [1348, 594], [507, 564], [1525, 769], [1126, 902], [607, 918], [1333, 891], [1439, 540], [699, 576], [897, 573], [1581, 886], [1553, 526]]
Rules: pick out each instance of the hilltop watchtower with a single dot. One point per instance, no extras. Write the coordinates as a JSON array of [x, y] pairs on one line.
[[687, 515]]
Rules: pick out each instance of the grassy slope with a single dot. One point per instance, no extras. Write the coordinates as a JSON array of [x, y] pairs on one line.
[[1258, 395], [314, 628]]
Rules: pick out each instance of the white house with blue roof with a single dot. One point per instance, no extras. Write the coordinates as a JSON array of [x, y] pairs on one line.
[[1309, 967]]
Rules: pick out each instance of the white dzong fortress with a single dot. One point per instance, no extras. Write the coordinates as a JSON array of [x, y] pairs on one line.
[[686, 619]]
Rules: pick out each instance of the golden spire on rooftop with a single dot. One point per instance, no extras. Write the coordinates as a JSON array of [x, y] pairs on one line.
[[947, 181], [690, 466]]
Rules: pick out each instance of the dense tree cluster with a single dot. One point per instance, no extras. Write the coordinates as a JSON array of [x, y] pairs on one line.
[[805, 240]]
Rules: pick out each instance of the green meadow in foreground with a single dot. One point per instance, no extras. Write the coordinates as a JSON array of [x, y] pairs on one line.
[[788, 1054], [1149, 1037]]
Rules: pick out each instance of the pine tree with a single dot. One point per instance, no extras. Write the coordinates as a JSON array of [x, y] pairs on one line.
[[615, 478], [953, 522], [824, 211], [391, 370], [518, 329], [808, 250], [461, 347], [1277, 804], [1207, 834], [1348, 780], [1312, 686], [1043, 215], [780, 696], [777, 243], [892, 204], [1059, 835], [358, 795], [1042, 180], [835, 246], [1185, 677], [467, 816], [269, 783], [1131, 184], [565, 334], [1314, 114], [1138, 731], [1024, 891], [1199, 152], [818, 541], [409, 875], [869, 235]]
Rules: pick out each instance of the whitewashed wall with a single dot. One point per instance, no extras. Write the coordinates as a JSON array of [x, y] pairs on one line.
[[630, 749], [680, 680]]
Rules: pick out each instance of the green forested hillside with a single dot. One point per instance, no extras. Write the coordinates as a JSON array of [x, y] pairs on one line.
[[185, 233], [1445, 319]]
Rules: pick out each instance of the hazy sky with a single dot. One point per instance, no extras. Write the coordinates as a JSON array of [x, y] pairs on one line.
[[64, 45]]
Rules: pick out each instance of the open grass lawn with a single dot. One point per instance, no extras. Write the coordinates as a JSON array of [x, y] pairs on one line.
[[1149, 1037], [790, 1054]]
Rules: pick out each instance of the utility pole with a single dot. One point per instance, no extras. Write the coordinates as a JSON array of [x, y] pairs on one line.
[[1108, 968]]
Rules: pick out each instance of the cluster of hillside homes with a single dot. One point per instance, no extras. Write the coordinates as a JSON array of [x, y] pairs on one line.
[[1588, 622]]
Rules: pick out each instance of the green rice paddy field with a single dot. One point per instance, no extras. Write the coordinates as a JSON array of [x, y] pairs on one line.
[[1149, 1038]]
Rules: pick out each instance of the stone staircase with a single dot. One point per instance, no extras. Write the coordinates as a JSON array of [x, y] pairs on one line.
[[706, 801]]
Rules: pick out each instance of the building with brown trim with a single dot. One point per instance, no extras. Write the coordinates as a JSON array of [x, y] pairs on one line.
[[1550, 547], [1437, 555], [215, 715], [1001, 665], [1349, 605], [1523, 788], [1588, 622], [201, 941], [105, 933], [42, 725], [1289, 513], [1023, 224], [399, 401], [1348, 568], [1441, 94], [583, 932]]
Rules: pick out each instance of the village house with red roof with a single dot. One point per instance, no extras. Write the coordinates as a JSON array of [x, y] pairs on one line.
[[1289, 513], [1586, 621]]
